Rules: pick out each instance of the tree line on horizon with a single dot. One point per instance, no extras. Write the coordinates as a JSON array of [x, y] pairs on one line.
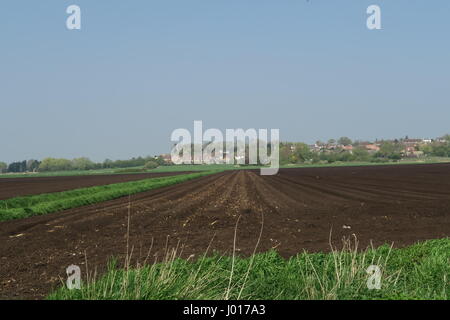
[[290, 153], [83, 163]]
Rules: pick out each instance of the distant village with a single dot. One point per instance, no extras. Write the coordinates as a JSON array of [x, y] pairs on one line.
[[344, 149], [412, 148]]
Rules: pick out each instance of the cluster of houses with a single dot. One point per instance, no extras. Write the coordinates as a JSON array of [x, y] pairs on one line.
[[409, 147], [213, 158], [215, 153], [330, 147], [166, 157]]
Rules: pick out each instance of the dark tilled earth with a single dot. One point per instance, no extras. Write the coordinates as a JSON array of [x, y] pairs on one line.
[[14, 187], [296, 209]]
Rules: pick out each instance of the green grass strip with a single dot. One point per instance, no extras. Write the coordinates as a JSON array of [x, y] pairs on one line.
[[22, 207], [420, 271]]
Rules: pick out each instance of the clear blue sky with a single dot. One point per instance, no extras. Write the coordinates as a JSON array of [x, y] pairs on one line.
[[139, 69]]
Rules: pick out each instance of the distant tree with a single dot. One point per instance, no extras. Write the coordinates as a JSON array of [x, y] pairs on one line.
[[32, 165], [133, 162], [52, 164], [152, 164], [441, 150], [361, 154], [427, 149], [395, 156], [82, 164], [3, 167], [390, 149], [302, 152], [345, 156], [107, 163], [320, 143], [46, 164], [345, 141], [285, 152], [331, 157], [331, 141], [20, 166], [315, 158]]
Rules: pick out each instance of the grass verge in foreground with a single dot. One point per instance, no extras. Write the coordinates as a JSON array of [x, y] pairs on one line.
[[420, 271], [22, 207]]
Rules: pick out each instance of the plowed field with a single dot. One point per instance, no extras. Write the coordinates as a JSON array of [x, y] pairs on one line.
[[15, 187], [296, 209]]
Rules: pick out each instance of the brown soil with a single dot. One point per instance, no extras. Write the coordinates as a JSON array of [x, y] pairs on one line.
[[379, 204], [14, 187]]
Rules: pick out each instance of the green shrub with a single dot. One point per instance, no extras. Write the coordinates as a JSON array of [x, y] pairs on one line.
[[151, 165]]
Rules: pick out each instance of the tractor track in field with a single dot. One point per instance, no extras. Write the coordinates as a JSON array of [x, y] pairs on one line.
[[299, 207]]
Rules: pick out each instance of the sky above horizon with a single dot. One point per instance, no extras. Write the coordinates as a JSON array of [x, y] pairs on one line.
[[138, 70]]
